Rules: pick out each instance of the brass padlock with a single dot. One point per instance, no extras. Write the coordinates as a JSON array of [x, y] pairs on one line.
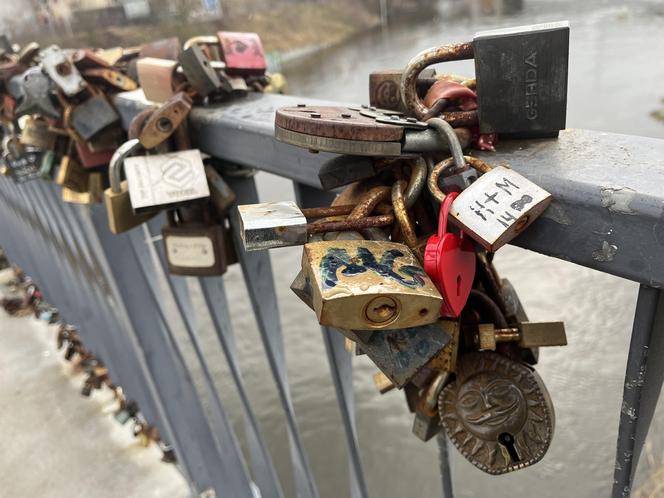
[[121, 216], [497, 207], [163, 121], [93, 194], [72, 175], [384, 92], [525, 335], [36, 133], [363, 285], [497, 412], [194, 248]]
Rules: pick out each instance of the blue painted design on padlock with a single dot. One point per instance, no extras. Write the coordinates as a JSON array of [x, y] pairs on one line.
[[337, 258]]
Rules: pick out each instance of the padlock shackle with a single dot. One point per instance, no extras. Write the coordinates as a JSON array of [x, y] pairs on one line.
[[446, 130], [117, 162], [444, 213], [201, 40], [435, 55], [435, 173]]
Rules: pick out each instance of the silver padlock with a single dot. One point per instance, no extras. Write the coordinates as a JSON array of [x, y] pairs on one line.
[[61, 70], [497, 207]]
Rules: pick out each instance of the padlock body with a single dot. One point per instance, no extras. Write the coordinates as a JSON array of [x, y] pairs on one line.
[[91, 159], [195, 250], [93, 116], [243, 53], [156, 77], [121, 217], [199, 73], [522, 79], [369, 285], [498, 206]]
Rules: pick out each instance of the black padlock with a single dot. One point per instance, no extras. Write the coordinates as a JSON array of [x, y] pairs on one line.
[[521, 78], [198, 70]]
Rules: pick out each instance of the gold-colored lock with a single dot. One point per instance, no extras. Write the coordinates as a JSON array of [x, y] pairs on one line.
[[93, 195], [447, 359], [383, 382], [36, 133], [525, 334], [121, 216], [72, 175], [365, 285]]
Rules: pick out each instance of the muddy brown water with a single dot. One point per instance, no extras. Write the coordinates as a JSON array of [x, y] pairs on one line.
[[616, 70]]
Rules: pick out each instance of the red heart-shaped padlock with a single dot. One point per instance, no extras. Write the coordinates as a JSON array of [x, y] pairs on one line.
[[449, 260]]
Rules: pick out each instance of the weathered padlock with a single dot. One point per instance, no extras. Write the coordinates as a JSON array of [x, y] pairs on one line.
[[497, 207], [121, 217], [200, 74], [163, 121], [72, 175], [62, 71], [525, 335], [165, 48], [426, 423], [36, 133], [497, 412], [156, 78], [368, 285], [92, 194], [521, 78], [93, 116], [90, 159], [37, 96], [242, 53], [384, 86], [194, 248], [221, 195], [111, 77], [165, 180]]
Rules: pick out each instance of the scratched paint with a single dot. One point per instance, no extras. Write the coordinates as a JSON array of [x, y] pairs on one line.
[[618, 199]]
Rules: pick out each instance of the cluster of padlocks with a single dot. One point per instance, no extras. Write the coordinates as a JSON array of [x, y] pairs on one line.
[[401, 263]]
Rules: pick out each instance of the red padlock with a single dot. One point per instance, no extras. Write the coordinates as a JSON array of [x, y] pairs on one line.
[[242, 53], [449, 260]]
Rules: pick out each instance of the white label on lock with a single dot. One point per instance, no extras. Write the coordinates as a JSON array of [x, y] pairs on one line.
[[498, 206], [164, 179], [189, 252]]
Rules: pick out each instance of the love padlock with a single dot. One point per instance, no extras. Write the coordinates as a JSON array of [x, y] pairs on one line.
[[449, 260]]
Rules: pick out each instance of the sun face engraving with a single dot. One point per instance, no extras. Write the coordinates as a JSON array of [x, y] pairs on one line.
[[497, 413]]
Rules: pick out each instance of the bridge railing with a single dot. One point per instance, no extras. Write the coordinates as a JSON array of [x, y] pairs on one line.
[[607, 214]]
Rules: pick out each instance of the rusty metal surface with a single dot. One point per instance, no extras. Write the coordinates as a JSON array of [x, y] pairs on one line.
[[349, 225], [336, 122], [452, 52]]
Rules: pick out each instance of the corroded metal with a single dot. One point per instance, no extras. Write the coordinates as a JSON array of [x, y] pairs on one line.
[[349, 225], [408, 87], [497, 413], [401, 214]]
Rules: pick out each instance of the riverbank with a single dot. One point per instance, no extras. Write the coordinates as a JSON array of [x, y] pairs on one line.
[[284, 28]]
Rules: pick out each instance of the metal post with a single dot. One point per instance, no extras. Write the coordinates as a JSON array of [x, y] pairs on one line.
[[643, 382]]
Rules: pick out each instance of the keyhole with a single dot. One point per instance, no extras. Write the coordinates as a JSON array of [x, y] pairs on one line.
[[458, 285], [507, 440]]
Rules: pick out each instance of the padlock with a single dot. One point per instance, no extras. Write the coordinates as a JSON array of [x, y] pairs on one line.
[[449, 259], [92, 195], [72, 175], [198, 71], [89, 159], [127, 411], [525, 335], [401, 353], [242, 53], [24, 167], [157, 78], [446, 360], [62, 71], [497, 412], [194, 248], [384, 90], [165, 180], [121, 217], [364, 131], [37, 95], [165, 48], [367, 285], [85, 59], [221, 195], [382, 383], [111, 77], [46, 165], [497, 207], [165, 120], [36, 133], [426, 423], [521, 78], [93, 116], [281, 224]]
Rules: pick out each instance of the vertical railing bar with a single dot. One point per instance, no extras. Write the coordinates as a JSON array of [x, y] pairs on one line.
[[258, 277], [177, 293], [340, 363], [264, 472], [644, 376], [444, 465]]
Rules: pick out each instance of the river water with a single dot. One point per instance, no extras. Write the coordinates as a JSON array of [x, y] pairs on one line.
[[615, 82]]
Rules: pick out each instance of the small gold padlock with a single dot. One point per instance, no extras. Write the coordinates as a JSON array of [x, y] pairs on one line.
[[364, 285]]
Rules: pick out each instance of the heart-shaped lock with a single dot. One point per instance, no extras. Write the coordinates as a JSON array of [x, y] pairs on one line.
[[449, 259]]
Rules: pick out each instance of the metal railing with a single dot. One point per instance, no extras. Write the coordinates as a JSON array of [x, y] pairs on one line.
[[607, 214]]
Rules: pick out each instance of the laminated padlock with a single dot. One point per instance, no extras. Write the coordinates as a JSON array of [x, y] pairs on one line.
[[369, 285], [121, 217], [195, 248], [521, 78], [497, 207]]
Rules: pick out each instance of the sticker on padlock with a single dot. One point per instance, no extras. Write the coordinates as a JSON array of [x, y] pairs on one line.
[[163, 180], [364, 285], [497, 207], [521, 78], [194, 248], [449, 259]]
